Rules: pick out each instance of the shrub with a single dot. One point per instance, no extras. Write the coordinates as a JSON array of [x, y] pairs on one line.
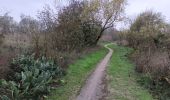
[[33, 79], [70, 30], [148, 35]]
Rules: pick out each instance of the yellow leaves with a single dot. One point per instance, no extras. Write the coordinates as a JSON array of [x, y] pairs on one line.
[[91, 7]]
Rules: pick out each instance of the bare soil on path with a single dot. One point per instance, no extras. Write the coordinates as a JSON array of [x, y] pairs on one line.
[[94, 88]]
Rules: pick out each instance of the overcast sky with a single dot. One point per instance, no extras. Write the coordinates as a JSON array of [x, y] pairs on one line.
[[18, 7], [30, 7], [137, 6]]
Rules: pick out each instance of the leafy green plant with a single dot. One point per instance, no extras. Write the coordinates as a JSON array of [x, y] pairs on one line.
[[32, 82], [4, 97]]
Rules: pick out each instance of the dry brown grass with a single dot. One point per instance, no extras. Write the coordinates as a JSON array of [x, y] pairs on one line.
[[13, 44], [17, 40], [156, 62]]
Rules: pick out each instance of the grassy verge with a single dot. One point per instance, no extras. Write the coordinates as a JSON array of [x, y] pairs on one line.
[[123, 79], [76, 76]]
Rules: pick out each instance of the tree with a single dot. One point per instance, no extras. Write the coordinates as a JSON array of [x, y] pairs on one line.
[[107, 11], [28, 25], [79, 28], [31, 27], [80, 23], [150, 22], [6, 24], [48, 21], [69, 29], [147, 30]]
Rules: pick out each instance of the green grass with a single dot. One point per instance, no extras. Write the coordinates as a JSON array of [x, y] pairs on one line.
[[123, 79], [76, 76]]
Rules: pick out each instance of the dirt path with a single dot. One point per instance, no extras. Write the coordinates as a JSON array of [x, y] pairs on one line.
[[93, 89]]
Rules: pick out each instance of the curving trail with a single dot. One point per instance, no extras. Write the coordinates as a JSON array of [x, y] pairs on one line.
[[93, 88]]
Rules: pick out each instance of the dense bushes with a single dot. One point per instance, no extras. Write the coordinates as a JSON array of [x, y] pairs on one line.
[[70, 30], [32, 78], [148, 35], [75, 31], [78, 25]]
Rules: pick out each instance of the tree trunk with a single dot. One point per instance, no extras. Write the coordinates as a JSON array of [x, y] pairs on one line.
[[100, 35]]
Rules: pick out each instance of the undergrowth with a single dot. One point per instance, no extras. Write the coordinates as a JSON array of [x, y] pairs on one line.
[[31, 80]]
